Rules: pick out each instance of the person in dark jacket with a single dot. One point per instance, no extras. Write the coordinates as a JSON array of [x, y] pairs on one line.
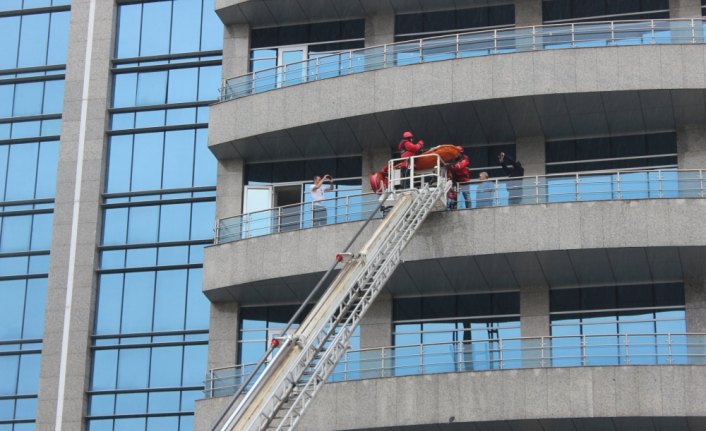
[[513, 169], [408, 148]]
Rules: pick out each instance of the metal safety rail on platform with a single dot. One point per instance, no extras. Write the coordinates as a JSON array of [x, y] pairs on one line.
[[308, 354]]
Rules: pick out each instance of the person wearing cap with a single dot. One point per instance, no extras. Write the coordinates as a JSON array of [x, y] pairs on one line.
[[408, 149]]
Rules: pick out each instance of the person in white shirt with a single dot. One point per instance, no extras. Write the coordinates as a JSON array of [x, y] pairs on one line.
[[317, 198]]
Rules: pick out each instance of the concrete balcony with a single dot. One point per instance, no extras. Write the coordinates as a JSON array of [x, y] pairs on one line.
[[489, 88], [590, 398], [552, 244]]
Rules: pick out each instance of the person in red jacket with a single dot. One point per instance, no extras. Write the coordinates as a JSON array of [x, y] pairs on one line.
[[408, 148], [460, 174]]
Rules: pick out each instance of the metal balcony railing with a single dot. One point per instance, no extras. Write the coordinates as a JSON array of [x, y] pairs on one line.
[[542, 189], [497, 354], [474, 44]]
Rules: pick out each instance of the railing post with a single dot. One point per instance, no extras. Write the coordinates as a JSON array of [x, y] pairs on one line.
[[458, 45], [495, 41], [216, 231], [382, 362], [583, 350], [669, 348], [279, 219], [534, 38], [345, 368], [612, 32], [384, 56], [421, 359], [500, 349], [660, 185], [620, 194], [627, 350], [652, 31], [573, 36], [536, 189], [541, 347], [317, 68], [701, 182], [578, 194], [421, 55], [693, 31]]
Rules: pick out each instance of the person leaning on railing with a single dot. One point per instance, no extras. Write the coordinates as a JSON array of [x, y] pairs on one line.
[[513, 169], [317, 198], [485, 193]]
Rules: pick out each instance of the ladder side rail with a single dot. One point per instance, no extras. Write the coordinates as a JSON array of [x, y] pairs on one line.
[[299, 311], [385, 266], [309, 335]]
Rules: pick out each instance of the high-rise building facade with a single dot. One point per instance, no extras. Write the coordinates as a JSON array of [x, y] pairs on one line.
[[573, 298]]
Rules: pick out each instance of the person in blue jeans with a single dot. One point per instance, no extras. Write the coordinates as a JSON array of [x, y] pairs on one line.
[[485, 193]]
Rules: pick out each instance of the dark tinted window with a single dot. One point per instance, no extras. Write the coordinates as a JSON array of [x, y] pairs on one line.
[[411, 26], [307, 33], [558, 10], [303, 170]]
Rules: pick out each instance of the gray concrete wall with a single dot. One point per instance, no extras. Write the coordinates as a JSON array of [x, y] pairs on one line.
[[589, 392], [531, 152], [65, 366], [528, 12], [223, 335], [229, 188], [691, 146], [376, 325], [485, 232], [534, 311], [585, 70], [695, 297], [379, 29], [236, 50], [684, 9], [374, 159]]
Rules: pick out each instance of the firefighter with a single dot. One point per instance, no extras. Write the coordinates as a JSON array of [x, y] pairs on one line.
[[408, 148], [460, 174]]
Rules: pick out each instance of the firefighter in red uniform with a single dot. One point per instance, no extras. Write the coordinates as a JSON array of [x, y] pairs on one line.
[[460, 174], [408, 149]]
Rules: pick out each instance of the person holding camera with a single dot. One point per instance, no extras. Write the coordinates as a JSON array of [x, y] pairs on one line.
[[513, 169], [317, 198]]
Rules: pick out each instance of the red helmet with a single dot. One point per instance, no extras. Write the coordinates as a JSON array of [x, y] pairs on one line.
[[407, 135]]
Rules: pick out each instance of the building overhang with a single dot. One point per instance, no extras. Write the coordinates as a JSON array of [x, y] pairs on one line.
[[269, 13], [557, 245], [555, 95]]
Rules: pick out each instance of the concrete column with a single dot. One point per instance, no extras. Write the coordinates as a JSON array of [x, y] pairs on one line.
[[236, 50], [695, 296], [534, 322], [534, 311], [691, 147], [376, 331], [223, 345], [229, 188], [374, 158], [695, 305], [528, 12], [684, 8], [379, 29], [531, 152], [66, 355]]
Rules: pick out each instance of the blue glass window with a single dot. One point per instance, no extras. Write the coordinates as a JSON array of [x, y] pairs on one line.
[[168, 27]]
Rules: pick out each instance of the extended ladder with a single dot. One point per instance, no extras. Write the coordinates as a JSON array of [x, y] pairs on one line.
[[306, 357]]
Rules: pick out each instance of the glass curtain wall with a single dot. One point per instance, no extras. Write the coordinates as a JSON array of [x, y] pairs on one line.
[[622, 325], [428, 24], [556, 11], [151, 326], [34, 37], [456, 333]]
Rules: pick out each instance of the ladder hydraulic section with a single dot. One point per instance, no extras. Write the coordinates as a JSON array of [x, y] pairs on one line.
[[306, 357]]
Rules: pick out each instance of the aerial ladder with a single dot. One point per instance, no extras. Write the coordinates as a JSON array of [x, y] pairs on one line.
[[298, 363]]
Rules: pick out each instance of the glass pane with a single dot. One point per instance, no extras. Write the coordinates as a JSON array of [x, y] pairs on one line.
[[128, 35], [133, 368], [137, 302], [156, 24], [166, 366], [170, 301], [58, 38], [33, 40]]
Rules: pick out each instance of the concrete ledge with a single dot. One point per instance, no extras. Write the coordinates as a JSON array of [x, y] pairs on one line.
[[567, 244], [557, 94], [629, 394], [267, 13]]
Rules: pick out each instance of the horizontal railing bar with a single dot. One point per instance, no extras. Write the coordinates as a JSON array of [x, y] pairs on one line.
[[484, 41]]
